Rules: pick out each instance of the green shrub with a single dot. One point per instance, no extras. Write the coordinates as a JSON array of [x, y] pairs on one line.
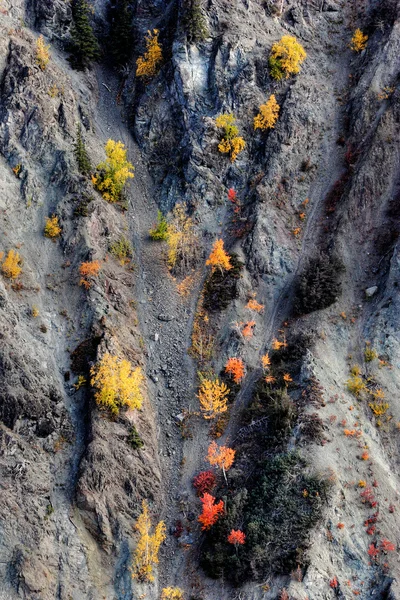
[[81, 155], [134, 439], [160, 230], [122, 249]]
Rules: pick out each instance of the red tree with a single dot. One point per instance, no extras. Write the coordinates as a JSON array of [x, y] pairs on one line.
[[236, 537], [211, 511], [204, 482]]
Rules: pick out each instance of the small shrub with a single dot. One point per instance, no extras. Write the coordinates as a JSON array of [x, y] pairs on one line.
[[171, 593], [286, 57], [52, 228], [160, 229], [369, 353], [268, 115], [87, 271], [122, 249], [11, 266], [149, 64], [42, 53], [358, 41], [134, 439], [116, 383], [113, 173], [34, 311], [204, 482], [231, 143]]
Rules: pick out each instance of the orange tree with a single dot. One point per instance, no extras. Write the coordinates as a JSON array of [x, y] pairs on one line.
[[235, 368], [221, 456], [211, 511], [219, 258]]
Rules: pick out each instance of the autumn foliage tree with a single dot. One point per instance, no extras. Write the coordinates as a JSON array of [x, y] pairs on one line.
[[213, 398], [148, 546], [221, 456], [116, 383], [236, 537], [219, 258], [87, 271], [235, 368], [358, 41], [183, 243], [268, 115], [232, 143], [113, 173], [11, 266], [172, 593], [286, 57], [52, 228], [211, 511], [204, 482], [42, 53], [148, 65]]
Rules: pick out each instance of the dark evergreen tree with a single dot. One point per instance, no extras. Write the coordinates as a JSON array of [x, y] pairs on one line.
[[81, 155], [194, 21], [84, 45], [121, 32]]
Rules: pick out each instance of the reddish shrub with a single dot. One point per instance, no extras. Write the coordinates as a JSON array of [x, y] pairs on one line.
[[204, 482]]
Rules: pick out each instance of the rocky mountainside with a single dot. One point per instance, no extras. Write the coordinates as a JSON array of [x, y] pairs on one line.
[[309, 305]]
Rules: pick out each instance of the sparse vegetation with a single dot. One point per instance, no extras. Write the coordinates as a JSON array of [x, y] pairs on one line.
[[52, 228], [116, 383], [160, 230], [149, 64], [232, 143], [122, 250], [146, 553], [183, 243], [113, 173], [286, 57]]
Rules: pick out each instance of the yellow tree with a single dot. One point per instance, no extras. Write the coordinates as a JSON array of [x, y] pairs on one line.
[[42, 53], [286, 57], [52, 228], [358, 41], [231, 143], [213, 398], [181, 239], [219, 258], [148, 546], [268, 115], [221, 456], [148, 65], [113, 173], [116, 383], [11, 266]]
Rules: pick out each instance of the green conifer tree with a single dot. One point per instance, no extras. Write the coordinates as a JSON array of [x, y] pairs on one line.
[[194, 21], [81, 155], [84, 45], [121, 32]]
